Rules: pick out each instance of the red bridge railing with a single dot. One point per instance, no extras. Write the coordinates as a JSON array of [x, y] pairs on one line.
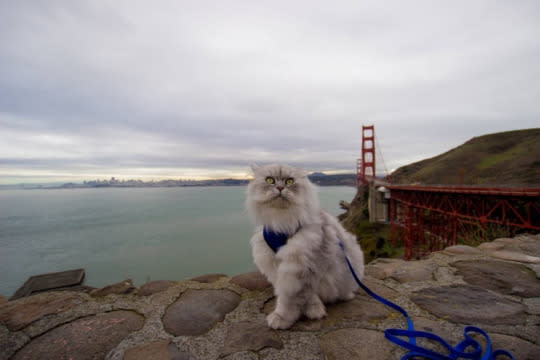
[[430, 218]]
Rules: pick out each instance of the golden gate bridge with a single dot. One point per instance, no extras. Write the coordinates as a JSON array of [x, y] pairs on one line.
[[430, 218]]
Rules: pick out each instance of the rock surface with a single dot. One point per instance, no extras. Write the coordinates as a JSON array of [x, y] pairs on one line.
[[250, 336], [197, 311], [208, 278], [470, 304], [504, 278], [355, 344], [157, 350], [152, 287], [87, 338], [252, 281], [122, 287], [19, 314], [217, 317]]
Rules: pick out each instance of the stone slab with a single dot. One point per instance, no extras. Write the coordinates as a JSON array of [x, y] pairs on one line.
[[89, 338], [355, 344], [502, 277], [122, 287], [410, 271], [359, 309], [377, 288], [251, 281], [490, 246], [155, 286], [467, 304], [533, 306], [520, 349], [208, 278], [243, 355], [515, 256], [250, 336], [197, 311], [157, 350], [50, 281], [535, 268], [439, 327], [530, 246], [18, 315], [382, 268], [462, 250], [11, 342]]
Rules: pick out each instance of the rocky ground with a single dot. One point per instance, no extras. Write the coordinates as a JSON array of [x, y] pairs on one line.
[[495, 286]]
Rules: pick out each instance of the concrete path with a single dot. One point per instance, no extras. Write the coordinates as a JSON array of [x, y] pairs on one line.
[[495, 286]]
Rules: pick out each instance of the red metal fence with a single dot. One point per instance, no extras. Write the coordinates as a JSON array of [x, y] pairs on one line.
[[430, 218]]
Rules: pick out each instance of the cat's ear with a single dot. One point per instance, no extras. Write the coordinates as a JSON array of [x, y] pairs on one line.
[[254, 167], [302, 173]]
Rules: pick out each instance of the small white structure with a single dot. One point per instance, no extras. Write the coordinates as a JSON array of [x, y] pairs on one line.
[[379, 203]]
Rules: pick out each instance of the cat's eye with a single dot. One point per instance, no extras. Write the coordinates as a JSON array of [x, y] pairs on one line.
[[289, 181], [270, 180]]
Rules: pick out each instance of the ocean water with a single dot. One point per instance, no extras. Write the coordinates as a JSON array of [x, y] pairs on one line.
[[138, 233]]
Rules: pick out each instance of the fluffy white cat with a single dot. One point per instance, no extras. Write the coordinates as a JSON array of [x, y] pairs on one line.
[[309, 269]]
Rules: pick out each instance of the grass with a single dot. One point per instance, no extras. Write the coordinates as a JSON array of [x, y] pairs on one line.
[[374, 238], [478, 234], [493, 160]]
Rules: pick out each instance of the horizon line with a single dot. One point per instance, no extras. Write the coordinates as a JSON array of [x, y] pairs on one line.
[[61, 180]]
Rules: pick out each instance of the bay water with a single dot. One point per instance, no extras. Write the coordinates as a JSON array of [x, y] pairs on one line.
[[138, 233]]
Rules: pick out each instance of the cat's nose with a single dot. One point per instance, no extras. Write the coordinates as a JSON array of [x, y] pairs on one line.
[[279, 188]]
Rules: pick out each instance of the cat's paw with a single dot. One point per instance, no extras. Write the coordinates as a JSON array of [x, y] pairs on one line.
[[276, 321], [315, 311], [349, 296]]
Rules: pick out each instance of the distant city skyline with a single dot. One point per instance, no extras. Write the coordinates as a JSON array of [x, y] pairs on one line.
[[319, 178], [91, 90]]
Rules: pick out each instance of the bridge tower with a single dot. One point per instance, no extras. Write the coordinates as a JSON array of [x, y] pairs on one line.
[[365, 166]]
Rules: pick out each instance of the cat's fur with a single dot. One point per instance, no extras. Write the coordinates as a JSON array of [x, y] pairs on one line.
[[310, 269]]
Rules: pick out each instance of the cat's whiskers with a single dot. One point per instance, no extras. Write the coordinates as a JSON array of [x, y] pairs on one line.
[[279, 201]]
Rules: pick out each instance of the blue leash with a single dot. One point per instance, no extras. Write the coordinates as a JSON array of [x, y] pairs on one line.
[[396, 335]]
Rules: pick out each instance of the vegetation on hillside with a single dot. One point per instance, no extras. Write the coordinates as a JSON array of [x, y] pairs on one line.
[[502, 159], [374, 238]]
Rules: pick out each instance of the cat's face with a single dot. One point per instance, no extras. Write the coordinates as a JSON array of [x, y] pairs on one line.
[[279, 187]]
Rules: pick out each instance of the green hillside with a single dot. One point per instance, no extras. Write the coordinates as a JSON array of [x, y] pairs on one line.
[[506, 158]]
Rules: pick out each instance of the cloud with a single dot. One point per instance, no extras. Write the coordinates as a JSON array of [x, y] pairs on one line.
[[133, 87]]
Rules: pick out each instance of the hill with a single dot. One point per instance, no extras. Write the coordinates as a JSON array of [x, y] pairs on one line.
[[506, 158], [323, 179]]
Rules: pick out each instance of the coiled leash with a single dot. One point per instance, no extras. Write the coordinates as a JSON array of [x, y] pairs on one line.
[[276, 240], [457, 352]]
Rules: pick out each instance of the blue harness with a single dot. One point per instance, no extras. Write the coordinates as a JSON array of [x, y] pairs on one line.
[[276, 240]]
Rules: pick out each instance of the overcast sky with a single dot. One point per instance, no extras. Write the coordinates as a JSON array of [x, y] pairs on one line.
[[153, 89]]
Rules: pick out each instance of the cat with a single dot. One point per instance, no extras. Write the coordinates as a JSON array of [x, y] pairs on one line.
[[308, 268]]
